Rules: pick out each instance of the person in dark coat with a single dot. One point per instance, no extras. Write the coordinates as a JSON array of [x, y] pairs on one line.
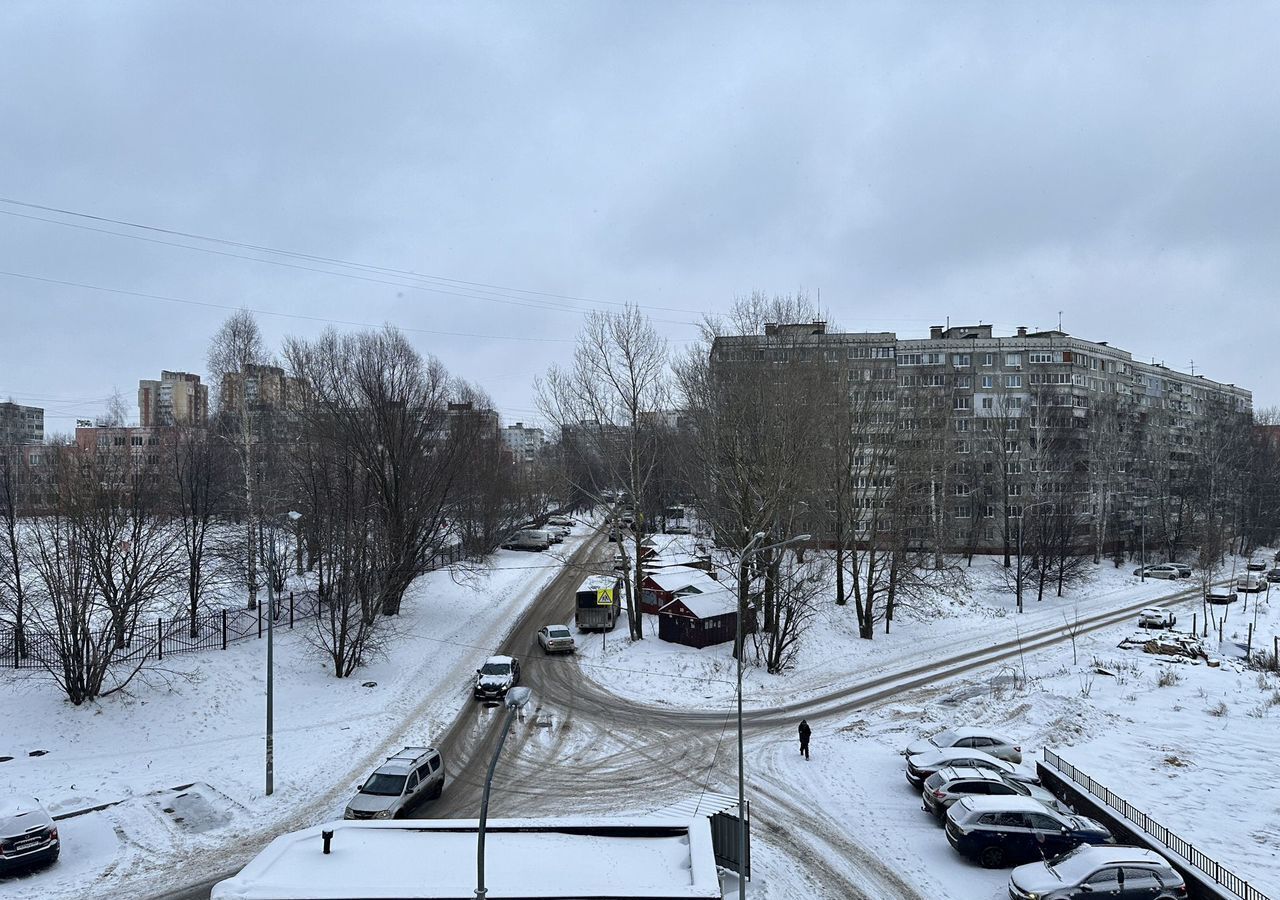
[[804, 738]]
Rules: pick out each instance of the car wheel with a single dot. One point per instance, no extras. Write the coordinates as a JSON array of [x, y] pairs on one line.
[[992, 857]]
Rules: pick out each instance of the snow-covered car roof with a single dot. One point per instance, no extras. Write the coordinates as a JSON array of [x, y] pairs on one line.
[[556, 627], [500, 659], [1089, 856], [20, 813], [1006, 803], [942, 755], [1152, 611]]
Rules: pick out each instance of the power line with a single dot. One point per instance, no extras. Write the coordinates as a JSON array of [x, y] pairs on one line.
[[267, 312], [419, 281]]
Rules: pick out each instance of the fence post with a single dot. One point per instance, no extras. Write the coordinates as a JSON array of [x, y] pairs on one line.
[[1221, 624], [259, 620], [224, 628], [291, 610], [1248, 650], [1193, 623], [160, 638]]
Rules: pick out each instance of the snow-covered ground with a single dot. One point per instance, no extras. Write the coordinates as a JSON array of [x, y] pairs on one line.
[[181, 755], [1197, 767]]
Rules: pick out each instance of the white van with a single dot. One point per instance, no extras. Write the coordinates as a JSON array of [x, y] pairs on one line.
[[528, 539]]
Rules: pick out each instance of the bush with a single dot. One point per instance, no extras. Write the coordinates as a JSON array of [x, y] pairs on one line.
[[1219, 711], [1168, 678]]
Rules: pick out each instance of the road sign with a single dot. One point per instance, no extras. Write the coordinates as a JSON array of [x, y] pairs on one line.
[[604, 597]]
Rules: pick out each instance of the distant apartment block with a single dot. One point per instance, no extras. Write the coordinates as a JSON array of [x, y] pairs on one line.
[[178, 398], [262, 387], [1119, 423], [21, 424], [524, 443]]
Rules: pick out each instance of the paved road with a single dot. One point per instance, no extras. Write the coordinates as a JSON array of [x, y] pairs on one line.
[[583, 751]]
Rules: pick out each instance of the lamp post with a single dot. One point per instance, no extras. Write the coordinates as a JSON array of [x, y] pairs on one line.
[[517, 698], [747, 552], [271, 669], [1022, 517]]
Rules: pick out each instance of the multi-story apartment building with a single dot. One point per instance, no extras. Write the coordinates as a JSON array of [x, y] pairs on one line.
[[177, 398], [524, 443], [21, 424], [987, 426], [262, 387]]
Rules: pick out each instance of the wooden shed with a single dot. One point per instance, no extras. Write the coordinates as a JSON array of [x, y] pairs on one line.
[[661, 586], [703, 619]]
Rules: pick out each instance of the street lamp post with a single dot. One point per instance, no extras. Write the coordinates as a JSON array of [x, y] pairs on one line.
[[1021, 519], [747, 552], [517, 698], [271, 669]]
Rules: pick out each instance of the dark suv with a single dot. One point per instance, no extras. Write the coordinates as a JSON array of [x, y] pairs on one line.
[[497, 676], [1125, 873], [999, 831]]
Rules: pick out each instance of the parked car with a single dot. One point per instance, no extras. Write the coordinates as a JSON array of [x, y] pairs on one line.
[[1220, 596], [558, 532], [1274, 575], [1255, 566], [922, 765], [563, 521], [28, 835], [970, 739], [998, 831], [946, 786], [1153, 617], [1129, 873], [497, 676], [1160, 570], [527, 539], [1251, 583], [556, 639], [413, 774], [1184, 570]]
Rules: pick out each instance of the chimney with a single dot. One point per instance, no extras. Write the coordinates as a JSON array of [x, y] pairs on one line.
[[935, 332], [1022, 331], [770, 328]]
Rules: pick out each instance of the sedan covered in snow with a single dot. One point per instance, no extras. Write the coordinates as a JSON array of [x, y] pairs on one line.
[[28, 835], [1091, 870], [497, 676], [1153, 617], [969, 738], [922, 765]]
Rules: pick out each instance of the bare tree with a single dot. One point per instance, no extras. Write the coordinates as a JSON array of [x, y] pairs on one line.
[[235, 349], [199, 479], [388, 408], [757, 431], [608, 406], [15, 476], [797, 586]]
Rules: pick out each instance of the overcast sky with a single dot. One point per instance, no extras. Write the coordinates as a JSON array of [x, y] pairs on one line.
[[1119, 163]]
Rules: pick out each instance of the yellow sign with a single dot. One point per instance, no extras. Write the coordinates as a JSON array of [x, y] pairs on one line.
[[604, 597]]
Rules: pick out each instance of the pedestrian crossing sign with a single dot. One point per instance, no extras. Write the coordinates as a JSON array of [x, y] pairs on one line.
[[604, 597]]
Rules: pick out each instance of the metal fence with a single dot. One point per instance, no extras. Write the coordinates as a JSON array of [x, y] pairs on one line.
[[214, 630], [1182, 847]]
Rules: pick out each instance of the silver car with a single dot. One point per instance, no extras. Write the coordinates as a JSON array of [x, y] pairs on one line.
[[948, 785], [969, 738], [556, 639], [1161, 570], [1154, 617], [923, 765], [413, 774]]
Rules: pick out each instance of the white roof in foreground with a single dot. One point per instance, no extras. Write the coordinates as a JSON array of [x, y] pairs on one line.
[[571, 859]]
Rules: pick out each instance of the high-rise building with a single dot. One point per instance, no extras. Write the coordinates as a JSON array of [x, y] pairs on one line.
[[262, 387], [524, 443], [21, 424], [178, 398], [1006, 422]]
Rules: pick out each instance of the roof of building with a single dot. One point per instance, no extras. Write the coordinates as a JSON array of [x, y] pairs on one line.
[[676, 579], [628, 859], [712, 603]]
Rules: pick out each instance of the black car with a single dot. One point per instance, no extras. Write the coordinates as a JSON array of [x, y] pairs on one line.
[[28, 835], [497, 676], [1002, 831]]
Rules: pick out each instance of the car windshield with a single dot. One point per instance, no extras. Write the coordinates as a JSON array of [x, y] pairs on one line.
[[944, 738], [494, 668], [383, 785]]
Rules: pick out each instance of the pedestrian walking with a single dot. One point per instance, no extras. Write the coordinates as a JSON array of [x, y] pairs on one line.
[[804, 738]]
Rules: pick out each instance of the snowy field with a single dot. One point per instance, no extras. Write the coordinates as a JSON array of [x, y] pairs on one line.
[[180, 757], [1165, 744]]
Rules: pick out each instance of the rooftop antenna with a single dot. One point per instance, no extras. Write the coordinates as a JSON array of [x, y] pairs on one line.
[[1193, 367], [1059, 320]]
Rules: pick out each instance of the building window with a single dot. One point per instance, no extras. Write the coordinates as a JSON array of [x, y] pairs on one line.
[[988, 381], [988, 359], [1013, 467], [962, 511], [1013, 360], [135, 441], [963, 402], [961, 360], [961, 425], [1013, 381], [964, 381], [988, 402], [1014, 402], [1040, 357], [963, 447], [882, 353]]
